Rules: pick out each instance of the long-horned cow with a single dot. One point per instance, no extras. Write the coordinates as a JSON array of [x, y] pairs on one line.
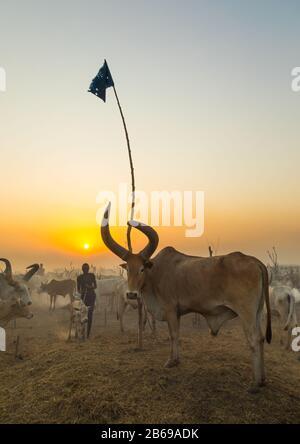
[[15, 298], [220, 288]]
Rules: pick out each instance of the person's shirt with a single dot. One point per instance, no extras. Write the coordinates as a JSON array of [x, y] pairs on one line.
[[86, 283]]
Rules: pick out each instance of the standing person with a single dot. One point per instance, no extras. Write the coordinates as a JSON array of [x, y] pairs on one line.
[[41, 270], [86, 285]]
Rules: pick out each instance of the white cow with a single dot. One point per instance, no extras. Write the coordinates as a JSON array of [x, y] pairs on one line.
[[283, 302], [15, 297], [78, 318], [296, 294]]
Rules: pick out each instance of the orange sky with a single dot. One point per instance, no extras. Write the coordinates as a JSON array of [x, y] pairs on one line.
[[208, 105]]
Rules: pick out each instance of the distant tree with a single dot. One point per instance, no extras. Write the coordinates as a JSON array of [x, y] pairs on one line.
[[273, 267]]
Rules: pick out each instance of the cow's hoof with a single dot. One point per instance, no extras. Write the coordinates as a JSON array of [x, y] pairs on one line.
[[262, 383], [171, 363], [254, 389]]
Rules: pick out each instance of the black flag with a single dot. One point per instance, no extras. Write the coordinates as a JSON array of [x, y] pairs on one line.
[[102, 81]]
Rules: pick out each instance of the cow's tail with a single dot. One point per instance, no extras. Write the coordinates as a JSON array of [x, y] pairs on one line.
[[265, 289], [291, 301]]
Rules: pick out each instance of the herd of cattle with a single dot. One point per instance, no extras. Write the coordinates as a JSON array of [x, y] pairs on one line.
[[16, 294], [171, 284]]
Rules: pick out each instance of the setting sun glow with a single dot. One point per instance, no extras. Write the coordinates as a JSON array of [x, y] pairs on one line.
[[86, 246]]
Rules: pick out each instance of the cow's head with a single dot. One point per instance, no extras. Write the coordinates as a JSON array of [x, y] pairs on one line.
[[19, 309], [19, 289], [137, 265]]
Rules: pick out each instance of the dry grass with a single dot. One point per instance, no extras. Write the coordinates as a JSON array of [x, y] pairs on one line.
[[105, 380]]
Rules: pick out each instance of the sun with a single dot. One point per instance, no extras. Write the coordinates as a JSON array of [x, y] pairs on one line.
[[86, 246]]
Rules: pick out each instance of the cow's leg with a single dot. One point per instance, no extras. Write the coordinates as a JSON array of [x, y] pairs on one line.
[[262, 348], [173, 324], [145, 317], [140, 325], [54, 299], [256, 343], [70, 327], [50, 307], [283, 310], [121, 311], [153, 321]]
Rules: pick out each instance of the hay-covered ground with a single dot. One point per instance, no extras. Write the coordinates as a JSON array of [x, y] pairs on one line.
[[105, 380]]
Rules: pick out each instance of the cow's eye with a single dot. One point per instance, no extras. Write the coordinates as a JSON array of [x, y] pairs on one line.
[[142, 269]]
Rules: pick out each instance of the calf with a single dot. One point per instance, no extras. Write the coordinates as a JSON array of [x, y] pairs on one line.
[[78, 319]]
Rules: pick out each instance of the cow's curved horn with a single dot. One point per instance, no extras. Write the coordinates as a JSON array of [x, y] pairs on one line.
[[147, 252], [32, 270], [117, 249], [8, 268]]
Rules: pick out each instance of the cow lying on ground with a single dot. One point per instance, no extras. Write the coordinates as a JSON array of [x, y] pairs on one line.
[[220, 288], [78, 319], [124, 303], [58, 288], [283, 302], [15, 298]]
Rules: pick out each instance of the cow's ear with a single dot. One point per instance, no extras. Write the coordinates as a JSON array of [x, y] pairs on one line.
[[148, 264], [123, 266]]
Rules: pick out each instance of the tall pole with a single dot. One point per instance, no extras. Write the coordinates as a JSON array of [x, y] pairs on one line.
[[131, 169], [139, 301]]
